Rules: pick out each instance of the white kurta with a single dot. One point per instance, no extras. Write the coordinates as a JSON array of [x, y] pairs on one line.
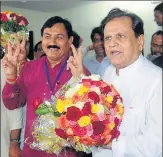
[[10, 120], [140, 86]]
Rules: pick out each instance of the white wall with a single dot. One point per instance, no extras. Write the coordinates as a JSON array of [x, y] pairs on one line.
[[36, 19], [85, 18]]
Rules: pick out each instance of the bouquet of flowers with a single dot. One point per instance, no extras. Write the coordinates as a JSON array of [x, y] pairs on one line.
[[87, 114], [12, 23]]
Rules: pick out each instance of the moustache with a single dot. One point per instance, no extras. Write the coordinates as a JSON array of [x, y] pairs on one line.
[[53, 46]]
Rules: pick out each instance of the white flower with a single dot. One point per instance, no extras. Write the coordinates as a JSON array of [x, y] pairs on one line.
[[72, 91], [47, 103], [97, 90], [95, 77], [79, 105], [101, 108]]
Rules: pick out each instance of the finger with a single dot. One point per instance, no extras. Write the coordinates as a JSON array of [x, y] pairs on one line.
[[9, 49], [74, 51], [72, 68], [69, 60], [17, 51], [4, 61], [80, 54], [23, 43]]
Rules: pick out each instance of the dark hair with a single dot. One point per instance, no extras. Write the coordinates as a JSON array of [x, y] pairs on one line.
[[76, 39], [159, 7], [36, 46], [97, 30], [158, 33], [54, 20], [2, 52], [137, 23]]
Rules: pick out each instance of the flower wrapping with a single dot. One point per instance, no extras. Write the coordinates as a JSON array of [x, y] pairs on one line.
[[87, 112], [12, 23], [44, 137]]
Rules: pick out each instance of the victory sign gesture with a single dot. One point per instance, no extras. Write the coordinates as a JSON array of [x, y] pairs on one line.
[[15, 54], [75, 62]]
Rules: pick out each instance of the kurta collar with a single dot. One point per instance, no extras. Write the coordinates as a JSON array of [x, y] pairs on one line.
[[129, 70]]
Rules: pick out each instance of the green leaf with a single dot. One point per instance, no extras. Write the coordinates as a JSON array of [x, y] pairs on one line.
[[42, 111], [68, 86], [107, 111], [57, 114]]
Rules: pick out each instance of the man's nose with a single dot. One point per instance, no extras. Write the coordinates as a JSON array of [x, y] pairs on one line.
[[53, 41], [113, 43]]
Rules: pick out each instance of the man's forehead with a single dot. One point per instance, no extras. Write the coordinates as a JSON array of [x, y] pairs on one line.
[[58, 27], [97, 36], [158, 37], [119, 23]]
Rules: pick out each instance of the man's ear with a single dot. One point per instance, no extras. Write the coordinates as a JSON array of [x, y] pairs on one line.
[[141, 42], [71, 40]]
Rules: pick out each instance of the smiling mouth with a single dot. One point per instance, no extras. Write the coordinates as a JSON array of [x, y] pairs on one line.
[[114, 53], [53, 49]]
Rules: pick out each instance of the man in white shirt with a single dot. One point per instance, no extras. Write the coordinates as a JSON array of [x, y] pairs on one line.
[[11, 123], [93, 64], [139, 83]]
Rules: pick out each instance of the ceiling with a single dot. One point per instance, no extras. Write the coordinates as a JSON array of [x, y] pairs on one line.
[[47, 6]]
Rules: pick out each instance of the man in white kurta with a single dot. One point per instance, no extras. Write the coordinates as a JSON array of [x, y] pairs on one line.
[[140, 86], [139, 83]]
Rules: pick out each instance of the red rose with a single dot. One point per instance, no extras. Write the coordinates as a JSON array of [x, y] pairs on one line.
[[95, 137], [61, 133], [79, 131], [115, 133], [96, 83], [94, 96], [86, 81], [25, 21], [36, 103], [73, 113], [114, 102], [13, 15], [4, 18], [117, 121], [98, 127], [19, 19], [87, 108], [106, 90], [101, 141]]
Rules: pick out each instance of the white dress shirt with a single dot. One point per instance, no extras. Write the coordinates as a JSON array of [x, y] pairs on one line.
[[10, 120], [140, 86]]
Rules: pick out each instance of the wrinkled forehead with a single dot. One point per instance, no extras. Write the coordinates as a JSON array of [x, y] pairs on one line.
[[118, 25]]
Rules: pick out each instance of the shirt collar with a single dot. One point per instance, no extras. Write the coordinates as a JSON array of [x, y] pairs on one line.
[[132, 67], [58, 65]]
